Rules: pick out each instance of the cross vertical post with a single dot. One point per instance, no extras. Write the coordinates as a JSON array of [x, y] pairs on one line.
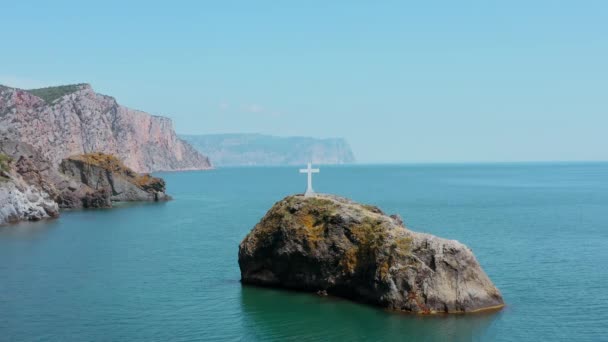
[[309, 170]]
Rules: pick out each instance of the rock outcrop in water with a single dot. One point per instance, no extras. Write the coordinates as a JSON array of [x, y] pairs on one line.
[[329, 244], [60, 122]]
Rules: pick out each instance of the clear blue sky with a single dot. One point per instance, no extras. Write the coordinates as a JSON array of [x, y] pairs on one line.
[[403, 81]]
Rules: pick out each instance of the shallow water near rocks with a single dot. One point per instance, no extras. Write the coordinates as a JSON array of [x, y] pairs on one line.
[[168, 271]]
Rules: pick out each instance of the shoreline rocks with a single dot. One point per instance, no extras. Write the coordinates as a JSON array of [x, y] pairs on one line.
[[71, 147], [331, 245], [20, 201], [32, 189]]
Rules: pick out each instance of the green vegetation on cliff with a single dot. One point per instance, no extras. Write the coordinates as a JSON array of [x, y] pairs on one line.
[[50, 94], [4, 165], [4, 162]]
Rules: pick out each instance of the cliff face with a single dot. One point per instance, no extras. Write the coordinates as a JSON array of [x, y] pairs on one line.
[[328, 244], [72, 120], [19, 200], [258, 149]]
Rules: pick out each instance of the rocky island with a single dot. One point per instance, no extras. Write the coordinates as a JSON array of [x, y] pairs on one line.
[[331, 245]]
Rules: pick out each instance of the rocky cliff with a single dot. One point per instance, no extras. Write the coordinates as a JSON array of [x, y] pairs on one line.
[[71, 120], [258, 149], [328, 244], [19, 200]]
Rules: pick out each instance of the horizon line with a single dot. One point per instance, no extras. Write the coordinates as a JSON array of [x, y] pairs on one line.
[[215, 166]]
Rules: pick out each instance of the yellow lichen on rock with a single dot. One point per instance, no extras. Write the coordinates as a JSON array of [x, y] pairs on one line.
[[105, 161], [113, 164], [306, 220], [4, 166], [349, 260], [107, 175], [383, 270]]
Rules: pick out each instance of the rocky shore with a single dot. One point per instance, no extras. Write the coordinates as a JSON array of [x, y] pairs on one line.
[[331, 245], [19, 200], [70, 147], [32, 189]]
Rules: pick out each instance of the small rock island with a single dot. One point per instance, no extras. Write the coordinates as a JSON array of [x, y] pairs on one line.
[[331, 245]]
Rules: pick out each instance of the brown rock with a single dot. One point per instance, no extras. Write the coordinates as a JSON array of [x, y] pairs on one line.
[[108, 179], [328, 244]]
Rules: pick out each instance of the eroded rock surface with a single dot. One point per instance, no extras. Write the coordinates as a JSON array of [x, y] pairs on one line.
[[329, 244], [20, 201], [106, 179]]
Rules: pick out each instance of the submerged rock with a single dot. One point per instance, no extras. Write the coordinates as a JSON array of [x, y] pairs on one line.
[[328, 244]]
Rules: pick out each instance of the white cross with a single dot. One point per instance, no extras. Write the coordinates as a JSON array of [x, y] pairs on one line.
[[310, 171]]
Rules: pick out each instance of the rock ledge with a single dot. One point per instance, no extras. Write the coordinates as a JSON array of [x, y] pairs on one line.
[[106, 179]]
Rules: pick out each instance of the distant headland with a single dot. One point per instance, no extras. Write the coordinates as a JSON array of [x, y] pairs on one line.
[[244, 149]]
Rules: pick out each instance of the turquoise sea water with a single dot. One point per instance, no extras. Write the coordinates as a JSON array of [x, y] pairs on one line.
[[168, 271]]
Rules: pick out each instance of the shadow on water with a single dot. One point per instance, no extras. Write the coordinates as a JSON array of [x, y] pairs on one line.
[[28, 229], [117, 205], [33, 229], [271, 314]]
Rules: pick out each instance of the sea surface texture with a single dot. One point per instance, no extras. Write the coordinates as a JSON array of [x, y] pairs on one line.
[[168, 271]]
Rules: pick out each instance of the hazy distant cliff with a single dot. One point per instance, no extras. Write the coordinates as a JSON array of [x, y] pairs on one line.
[[70, 120], [258, 149]]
